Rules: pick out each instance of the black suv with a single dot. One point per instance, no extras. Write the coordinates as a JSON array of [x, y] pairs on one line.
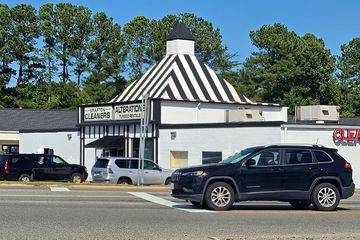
[[28, 167], [302, 175]]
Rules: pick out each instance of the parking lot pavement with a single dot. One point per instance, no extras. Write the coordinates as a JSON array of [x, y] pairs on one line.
[[66, 213], [159, 196]]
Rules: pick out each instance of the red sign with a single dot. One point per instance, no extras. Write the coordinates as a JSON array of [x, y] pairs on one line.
[[347, 135]]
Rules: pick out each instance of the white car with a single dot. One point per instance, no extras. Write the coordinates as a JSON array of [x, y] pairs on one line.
[[125, 171]]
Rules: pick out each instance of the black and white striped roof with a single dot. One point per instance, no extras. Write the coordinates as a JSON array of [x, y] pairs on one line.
[[185, 78]]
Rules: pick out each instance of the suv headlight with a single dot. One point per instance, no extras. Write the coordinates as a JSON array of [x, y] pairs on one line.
[[195, 173]]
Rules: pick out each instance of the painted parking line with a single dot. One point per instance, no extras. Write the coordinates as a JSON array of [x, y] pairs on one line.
[[59, 189], [167, 203]]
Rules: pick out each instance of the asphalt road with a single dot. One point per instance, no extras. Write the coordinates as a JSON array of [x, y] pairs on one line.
[[44, 213]]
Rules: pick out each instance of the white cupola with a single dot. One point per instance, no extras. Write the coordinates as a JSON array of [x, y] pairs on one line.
[[180, 41]]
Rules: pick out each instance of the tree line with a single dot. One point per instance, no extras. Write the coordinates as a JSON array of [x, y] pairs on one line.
[[63, 55]]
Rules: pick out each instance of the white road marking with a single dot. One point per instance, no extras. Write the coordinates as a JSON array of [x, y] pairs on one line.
[[161, 201], [59, 189]]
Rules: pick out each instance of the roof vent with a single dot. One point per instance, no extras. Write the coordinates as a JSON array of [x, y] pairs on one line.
[[317, 113], [243, 115]]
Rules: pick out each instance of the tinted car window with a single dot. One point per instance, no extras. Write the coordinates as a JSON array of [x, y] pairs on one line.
[[55, 160], [240, 155], [322, 157], [14, 159], [101, 163], [297, 156], [150, 165], [40, 160], [122, 163], [25, 160], [268, 157], [134, 164]]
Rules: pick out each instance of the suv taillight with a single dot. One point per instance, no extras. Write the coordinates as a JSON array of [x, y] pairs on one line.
[[6, 168], [347, 165], [109, 170]]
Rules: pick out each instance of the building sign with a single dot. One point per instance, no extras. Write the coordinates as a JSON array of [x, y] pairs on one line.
[[98, 113], [347, 135], [128, 111]]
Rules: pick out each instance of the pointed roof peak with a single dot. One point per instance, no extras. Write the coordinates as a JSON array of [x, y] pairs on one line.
[[180, 31]]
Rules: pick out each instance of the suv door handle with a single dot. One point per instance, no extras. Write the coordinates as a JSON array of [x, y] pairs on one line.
[[276, 169], [313, 168]]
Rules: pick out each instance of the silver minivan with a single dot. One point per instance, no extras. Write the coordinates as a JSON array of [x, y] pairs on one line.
[[125, 171]]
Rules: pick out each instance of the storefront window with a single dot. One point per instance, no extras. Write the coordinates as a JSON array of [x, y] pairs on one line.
[[211, 157], [149, 152], [178, 159], [113, 152], [10, 148]]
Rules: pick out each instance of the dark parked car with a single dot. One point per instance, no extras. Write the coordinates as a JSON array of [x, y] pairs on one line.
[[302, 175], [28, 167]]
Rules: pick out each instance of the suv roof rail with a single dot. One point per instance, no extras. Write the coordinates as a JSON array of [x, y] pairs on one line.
[[295, 145]]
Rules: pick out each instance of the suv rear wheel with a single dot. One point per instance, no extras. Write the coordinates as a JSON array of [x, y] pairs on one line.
[[219, 196], [300, 204], [325, 197], [124, 181], [25, 178]]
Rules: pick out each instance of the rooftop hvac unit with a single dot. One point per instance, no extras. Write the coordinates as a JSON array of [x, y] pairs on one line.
[[317, 113], [243, 115]]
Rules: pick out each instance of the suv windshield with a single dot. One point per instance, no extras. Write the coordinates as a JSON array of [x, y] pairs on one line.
[[101, 163], [240, 155]]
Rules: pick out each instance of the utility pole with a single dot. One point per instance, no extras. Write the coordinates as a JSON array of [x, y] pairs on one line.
[[143, 129]]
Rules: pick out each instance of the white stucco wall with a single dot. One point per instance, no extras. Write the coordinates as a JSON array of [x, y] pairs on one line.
[[68, 149], [191, 112], [179, 46], [225, 140], [324, 135]]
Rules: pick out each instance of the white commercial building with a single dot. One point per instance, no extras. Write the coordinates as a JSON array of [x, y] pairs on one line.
[[194, 113], [196, 117], [40, 131]]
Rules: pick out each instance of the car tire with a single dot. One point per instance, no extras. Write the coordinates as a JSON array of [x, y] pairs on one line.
[[168, 180], [300, 204], [124, 181], [25, 178], [325, 197], [76, 178], [219, 196]]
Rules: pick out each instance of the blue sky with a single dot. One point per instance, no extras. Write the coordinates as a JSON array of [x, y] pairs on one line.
[[336, 22]]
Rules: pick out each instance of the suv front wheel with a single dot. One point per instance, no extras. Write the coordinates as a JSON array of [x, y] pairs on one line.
[[325, 197], [219, 196], [76, 178]]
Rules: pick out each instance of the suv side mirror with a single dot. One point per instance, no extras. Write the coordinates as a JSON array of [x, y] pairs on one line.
[[250, 162], [157, 168]]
